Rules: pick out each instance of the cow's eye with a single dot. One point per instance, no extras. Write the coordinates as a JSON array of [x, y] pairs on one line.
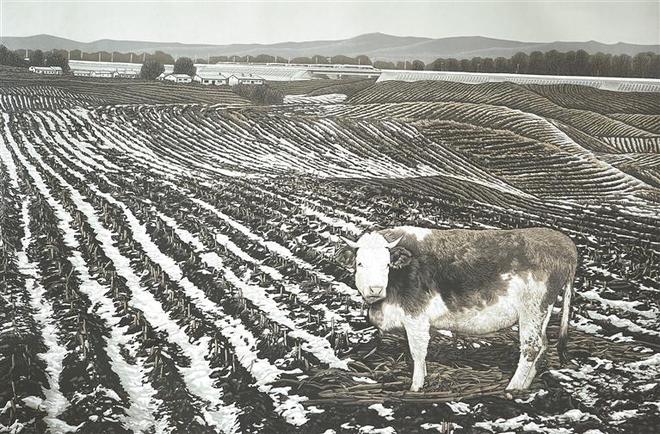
[[359, 264]]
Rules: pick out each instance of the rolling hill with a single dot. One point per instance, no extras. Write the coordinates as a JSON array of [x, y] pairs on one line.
[[376, 45]]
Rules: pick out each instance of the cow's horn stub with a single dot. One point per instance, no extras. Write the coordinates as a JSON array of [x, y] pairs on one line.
[[350, 243]]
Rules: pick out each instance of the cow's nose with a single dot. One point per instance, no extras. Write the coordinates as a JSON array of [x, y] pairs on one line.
[[376, 291]]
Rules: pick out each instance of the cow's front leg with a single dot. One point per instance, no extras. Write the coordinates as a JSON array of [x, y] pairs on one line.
[[418, 332]]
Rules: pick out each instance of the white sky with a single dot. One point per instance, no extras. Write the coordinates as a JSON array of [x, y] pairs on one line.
[[221, 22]]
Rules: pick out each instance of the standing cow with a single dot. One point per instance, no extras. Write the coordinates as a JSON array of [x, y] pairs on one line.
[[467, 281]]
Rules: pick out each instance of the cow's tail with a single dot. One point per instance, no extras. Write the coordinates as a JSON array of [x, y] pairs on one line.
[[565, 316]]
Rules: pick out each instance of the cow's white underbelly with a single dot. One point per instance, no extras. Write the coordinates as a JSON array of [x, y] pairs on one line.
[[497, 316], [503, 313]]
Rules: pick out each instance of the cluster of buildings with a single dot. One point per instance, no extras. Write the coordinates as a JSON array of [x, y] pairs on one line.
[[106, 73], [206, 76], [98, 73], [213, 78]]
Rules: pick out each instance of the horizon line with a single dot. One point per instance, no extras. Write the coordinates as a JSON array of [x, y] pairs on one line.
[[321, 40]]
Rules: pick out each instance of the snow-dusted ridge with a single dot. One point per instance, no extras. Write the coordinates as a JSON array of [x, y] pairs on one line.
[[55, 402]]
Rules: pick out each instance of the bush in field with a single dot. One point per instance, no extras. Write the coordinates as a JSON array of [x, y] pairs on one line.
[[417, 65], [260, 94], [382, 64], [37, 58], [58, 58], [363, 60], [161, 57], [151, 69], [184, 65], [301, 59], [264, 58]]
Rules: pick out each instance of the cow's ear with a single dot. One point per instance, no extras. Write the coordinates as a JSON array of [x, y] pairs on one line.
[[400, 257], [345, 256]]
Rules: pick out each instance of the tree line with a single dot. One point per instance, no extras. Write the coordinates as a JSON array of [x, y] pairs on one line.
[[36, 58], [642, 65]]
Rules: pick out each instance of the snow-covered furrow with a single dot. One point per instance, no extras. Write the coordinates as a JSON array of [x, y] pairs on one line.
[[183, 149], [351, 222], [281, 251], [331, 318], [192, 147], [112, 137], [244, 342], [600, 384], [67, 141], [67, 117], [331, 98], [140, 413], [6, 156], [55, 402], [198, 376], [359, 220], [70, 157], [311, 208], [60, 143], [209, 144], [278, 312], [622, 323], [621, 305]]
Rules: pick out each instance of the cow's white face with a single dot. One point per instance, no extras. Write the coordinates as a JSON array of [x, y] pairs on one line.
[[372, 265]]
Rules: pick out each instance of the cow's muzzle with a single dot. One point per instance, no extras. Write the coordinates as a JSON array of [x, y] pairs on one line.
[[374, 294]]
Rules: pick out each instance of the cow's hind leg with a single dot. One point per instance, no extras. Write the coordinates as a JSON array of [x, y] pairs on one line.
[[418, 332], [533, 344]]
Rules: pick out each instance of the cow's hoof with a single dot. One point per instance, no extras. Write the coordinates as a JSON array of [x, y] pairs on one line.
[[416, 387]]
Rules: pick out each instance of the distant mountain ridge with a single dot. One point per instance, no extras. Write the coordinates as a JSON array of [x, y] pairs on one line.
[[377, 46]]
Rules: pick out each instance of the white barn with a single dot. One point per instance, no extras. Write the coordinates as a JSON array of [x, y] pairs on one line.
[[46, 70], [178, 78], [82, 72], [126, 73], [235, 79], [210, 78]]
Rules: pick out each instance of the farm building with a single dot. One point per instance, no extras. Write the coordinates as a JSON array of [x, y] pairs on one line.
[[235, 79], [97, 73], [82, 72], [176, 78], [208, 78], [126, 73], [46, 70]]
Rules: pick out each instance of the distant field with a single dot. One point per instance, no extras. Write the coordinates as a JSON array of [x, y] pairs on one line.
[[169, 254], [25, 91], [322, 86]]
